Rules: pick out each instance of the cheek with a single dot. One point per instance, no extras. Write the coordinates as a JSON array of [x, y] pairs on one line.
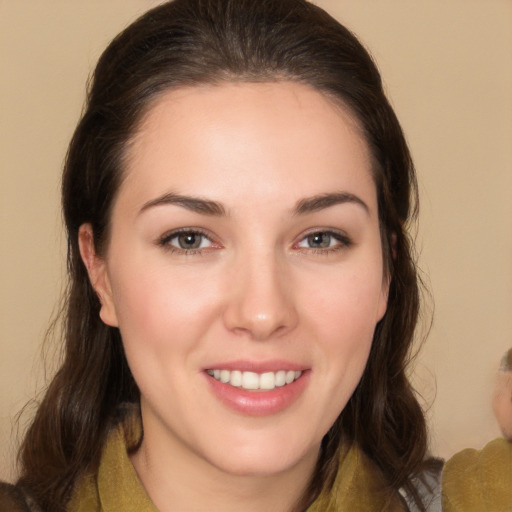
[[161, 308], [345, 316], [349, 303]]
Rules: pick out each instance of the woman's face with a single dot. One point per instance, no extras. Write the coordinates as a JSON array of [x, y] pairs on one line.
[[245, 273]]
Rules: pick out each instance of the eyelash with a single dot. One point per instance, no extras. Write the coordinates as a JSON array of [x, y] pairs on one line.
[[165, 242], [343, 240]]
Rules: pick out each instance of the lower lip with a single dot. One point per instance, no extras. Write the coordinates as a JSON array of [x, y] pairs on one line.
[[259, 403]]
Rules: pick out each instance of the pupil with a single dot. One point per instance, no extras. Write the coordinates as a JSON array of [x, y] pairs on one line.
[[189, 241], [319, 240]]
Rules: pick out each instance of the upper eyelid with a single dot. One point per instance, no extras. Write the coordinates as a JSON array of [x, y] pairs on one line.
[[178, 231], [329, 231]]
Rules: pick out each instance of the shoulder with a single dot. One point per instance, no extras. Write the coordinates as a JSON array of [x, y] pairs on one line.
[[479, 480], [11, 499]]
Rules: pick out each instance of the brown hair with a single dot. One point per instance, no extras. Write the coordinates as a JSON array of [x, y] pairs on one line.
[[187, 42]]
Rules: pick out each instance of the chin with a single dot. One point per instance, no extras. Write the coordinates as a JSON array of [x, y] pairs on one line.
[[263, 459]]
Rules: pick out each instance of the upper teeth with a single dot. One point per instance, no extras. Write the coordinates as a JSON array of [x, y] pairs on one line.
[[252, 380]]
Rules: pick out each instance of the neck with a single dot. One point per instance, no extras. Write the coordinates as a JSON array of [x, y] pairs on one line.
[[178, 479]]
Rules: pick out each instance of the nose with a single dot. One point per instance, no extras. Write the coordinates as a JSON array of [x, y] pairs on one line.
[[261, 301]]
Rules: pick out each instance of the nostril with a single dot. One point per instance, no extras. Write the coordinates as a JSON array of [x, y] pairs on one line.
[[263, 327]]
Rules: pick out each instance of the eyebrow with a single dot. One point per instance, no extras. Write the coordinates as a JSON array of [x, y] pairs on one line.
[[194, 204], [214, 208], [322, 201]]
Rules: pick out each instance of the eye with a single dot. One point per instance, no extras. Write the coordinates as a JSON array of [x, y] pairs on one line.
[[186, 240], [324, 241]]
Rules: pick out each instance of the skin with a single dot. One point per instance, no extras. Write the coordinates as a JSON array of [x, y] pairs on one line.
[[502, 403], [257, 289]]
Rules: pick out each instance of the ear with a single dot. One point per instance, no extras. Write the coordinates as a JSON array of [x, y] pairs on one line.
[[98, 274]]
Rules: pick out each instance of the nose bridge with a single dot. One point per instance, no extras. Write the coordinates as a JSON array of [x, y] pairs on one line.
[[261, 303]]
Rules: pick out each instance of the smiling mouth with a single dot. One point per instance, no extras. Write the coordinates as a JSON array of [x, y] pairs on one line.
[[252, 381]]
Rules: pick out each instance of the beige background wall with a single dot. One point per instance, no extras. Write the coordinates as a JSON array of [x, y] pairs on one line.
[[447, 67]]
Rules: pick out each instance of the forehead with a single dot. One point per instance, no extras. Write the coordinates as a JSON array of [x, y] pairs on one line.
[[255, 137]]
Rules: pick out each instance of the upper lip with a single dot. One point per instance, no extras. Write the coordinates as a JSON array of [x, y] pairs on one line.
[[273, 365]]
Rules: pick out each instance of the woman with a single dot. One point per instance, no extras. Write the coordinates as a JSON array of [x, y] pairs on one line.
[[242, 293]]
